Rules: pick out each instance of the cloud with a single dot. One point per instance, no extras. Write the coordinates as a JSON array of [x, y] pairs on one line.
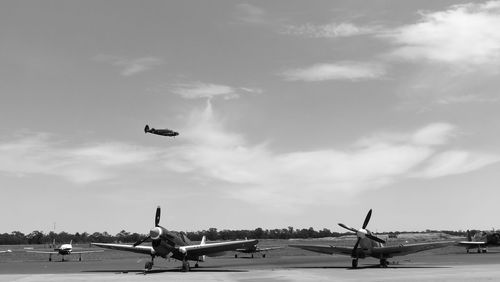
[[456, 162], [197, 90], [131, 67], [254, 173], [41, 154], [339, 71], [332, 30], [210, 157], [465, 34], [250, 14]]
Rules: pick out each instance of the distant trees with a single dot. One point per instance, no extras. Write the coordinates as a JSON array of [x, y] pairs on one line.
[[212, 234]]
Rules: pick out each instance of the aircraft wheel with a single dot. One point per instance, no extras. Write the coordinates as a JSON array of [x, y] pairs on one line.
[[252, 255], [264, 255], [354, 263], [148, 266], [196, 265], [485, 251], [185, 266], [235, 255], [383, 263], [478, 251]]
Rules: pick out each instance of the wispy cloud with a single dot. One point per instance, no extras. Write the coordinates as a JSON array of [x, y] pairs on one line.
[[131, 66], [255, 173], [45, 154], [195, 90], [212, 156], [465, 34], [250, 13], [338, 71], [465, 99], [332, 30]]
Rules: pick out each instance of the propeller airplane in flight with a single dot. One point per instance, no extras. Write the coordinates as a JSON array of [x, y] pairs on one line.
[[370, 245], [163, 132], [176, 245]]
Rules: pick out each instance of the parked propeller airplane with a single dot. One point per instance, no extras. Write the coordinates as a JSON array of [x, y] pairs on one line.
[[6, 251], [64, 250], [255, 249], [164, 132], [176, 245], [368, 244], [481, 240]]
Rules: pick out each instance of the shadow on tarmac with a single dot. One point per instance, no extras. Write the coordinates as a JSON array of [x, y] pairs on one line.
[[367, 267], [154, 271]]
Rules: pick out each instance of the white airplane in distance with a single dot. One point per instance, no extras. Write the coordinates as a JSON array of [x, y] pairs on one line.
[[176, 245], [64, 250], [255, 249], [481, 241], [372, 246], [6, 251]]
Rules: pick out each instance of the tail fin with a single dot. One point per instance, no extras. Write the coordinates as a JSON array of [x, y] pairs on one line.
[[203, 240], [71, 242], [469, 237], [146, 129]]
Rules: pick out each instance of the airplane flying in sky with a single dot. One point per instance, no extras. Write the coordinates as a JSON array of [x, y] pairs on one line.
[[64, 250], [370, 245], [481, 241], [255, 249], [176, 245], [164, 132]]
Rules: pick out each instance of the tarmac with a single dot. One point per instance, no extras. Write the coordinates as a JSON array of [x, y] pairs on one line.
[[449, 265]]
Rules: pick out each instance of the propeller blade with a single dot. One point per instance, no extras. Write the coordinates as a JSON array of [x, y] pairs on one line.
[[157, 217], [141, 241], [353, 254], [367, 219], [374, 238], [348, 228]]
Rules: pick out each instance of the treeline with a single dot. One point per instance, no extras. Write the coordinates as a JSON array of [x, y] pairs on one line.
[[212, 234]]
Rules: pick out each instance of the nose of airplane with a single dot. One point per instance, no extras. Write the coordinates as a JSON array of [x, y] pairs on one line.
[[155, 233]]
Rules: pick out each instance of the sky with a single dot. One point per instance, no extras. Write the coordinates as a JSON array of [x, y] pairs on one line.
[[290, 113]]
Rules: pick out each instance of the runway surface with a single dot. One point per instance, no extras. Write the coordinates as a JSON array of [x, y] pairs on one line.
[[449, 264]]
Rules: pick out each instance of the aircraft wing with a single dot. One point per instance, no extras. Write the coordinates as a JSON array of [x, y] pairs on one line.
[[214, 248], [43, 252], [400, 250], [268, 249], [86, 252], [325, 249], [7, 251], [129, 248], [471, 243]]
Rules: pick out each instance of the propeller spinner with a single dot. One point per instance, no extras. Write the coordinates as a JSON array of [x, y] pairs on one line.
[[155, 232]]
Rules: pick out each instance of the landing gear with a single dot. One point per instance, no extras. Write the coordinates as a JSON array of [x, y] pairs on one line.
[[196, 265], [185, 265], [383, 263], [252, 255], [80, 258], [235, 255], [149, 264], [50, 257], [263, 255], [355, 263]]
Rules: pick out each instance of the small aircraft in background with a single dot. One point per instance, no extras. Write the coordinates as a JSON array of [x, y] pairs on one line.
[[6, 251], [370, 245], [176, 245], [481, 241], [255, 249], [163, 132], [64, 250]]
